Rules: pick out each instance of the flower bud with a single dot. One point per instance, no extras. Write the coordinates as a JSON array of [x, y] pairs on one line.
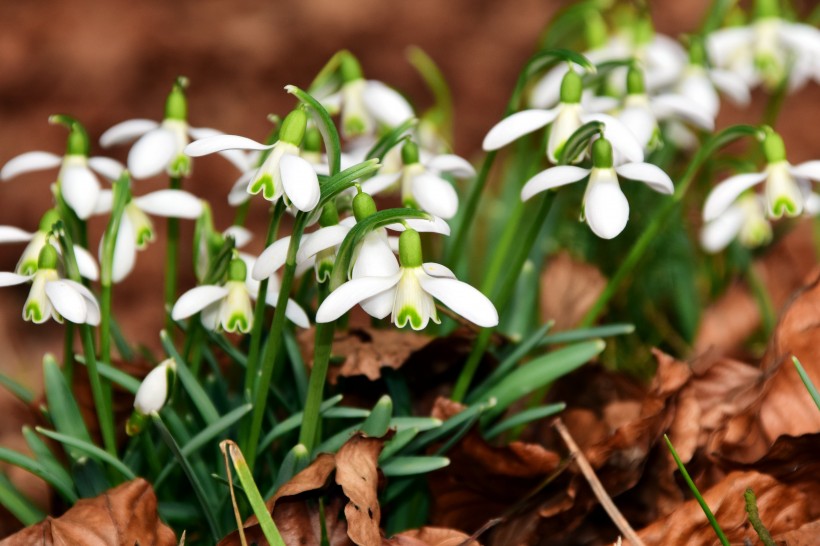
[[48, 258], [602, 154], [572, 87], [410, 249], [363, 206], [294, 127], [151, 395], [176, 105]]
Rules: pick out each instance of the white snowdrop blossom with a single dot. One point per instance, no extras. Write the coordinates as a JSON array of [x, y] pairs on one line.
[[744, 220], [51, 296], [153, 391], [406, 292], [421, 183], [77, 182], [782, 190], [283, 173], [565, 119], [136, 229], [605, 207], [159, 146], [228, 307]]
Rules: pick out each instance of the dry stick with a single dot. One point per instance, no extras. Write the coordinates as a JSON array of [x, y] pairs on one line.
[[606, 501], [239, 525]]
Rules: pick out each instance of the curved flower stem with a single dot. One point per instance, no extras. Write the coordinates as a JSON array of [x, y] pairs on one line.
[[661, 216], [308, 434], [470, 208], [259, 311], [121, 195], [68, 352], [171, 257], [274, 342]]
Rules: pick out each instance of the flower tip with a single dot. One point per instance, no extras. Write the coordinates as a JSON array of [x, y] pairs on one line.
[[290, 88], [600, 345]]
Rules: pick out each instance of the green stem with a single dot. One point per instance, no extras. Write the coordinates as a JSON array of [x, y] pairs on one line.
[[102, 396], [308, 434], [259, 311], [68, 352], [764, 302], [662, 215], [470, 209], [105, 323], [242, 213], [274, 342], [171, 258], [754, 519]]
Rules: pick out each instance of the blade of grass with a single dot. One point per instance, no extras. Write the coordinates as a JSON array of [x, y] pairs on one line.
[[16, 389], [14, 501], [411, 466], [198, 395], [89, 449], [807, 381], [28, 464], [524, 417]]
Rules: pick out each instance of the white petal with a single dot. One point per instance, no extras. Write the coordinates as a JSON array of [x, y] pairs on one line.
[[619, 135], [671, 105], [321, 239], [698, 88], [606, 208], [375, 257], [28, 162], [809, 169], [380, 305], [80, 189], [86, 264], [125, 251], [723, 45], [107, 167], [11, 234], [271, 259], [386, 104], [436, 225], [435, 195], [151, 154], [209, 317], [452, 164], [341, 300], [379, 183], [552, 178], [196, 299], [92, 307], [127, 131], [547, 91], [241, 236], [293, 311], [438, 270], [812, 205], [105, 202], [11, 279], [652, 175], [153, 390], [731, 85], [300, 182], [67, 301], [461, 298], [717, 234], [220, 143], [517, 125], [725, 193], [239, 192], [171, 204], [596, 104], [238, 158]]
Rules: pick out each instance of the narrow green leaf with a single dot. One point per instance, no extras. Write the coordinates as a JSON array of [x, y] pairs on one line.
[[422, 424], [807, 381], [409, 466], [451, 426], [38, 469], [126, 381], [345, 179], [293, 422], [293, 463], [62, 407], [89, 449], [579, 141], [321, 118], [50, 463], [583, 334], [526, 416], [198, 395], [297, 365], [16, 503], [17, 389], [391, 139], [378, 421], [397, 442], [344, 412]]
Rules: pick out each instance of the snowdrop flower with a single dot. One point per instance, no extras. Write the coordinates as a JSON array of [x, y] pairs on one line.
[[769, 49], [410, 289], [76, 181], [783, 194], [283, 172], [605, 207], [159, 146], [421, 184], [642, 113], [208, 241], [700, 84], [565, 119], [136, 229], [228, 307], [744, 220], [151, 395], [53, 297]]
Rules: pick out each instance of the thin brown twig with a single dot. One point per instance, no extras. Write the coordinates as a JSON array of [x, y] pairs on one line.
[[240, 527], [597, 488]]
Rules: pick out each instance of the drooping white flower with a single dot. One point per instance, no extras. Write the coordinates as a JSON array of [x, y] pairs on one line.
[[421, 183], [566, 118], [228, 307], [77, 182], [136, 229], [153, 391], [782, 190], [283, 172], [159, 146], [51, 296], [409, 290], [745, 220], [605, 207]]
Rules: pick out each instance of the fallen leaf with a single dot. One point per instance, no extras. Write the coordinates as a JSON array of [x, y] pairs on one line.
[[569, 288], [431, 536], [357, 473], [125, 515]]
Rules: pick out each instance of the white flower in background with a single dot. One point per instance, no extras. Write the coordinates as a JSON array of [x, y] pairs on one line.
[[159, 146], [136, 229], [76, 182], [208, 241], [54, 297], [421, 183], [783, 192], [605, 207], [700, 84], [768, 50], [228, 307], [409, 290], [566, 118], [744, 220], [153, 391], [283, 172]]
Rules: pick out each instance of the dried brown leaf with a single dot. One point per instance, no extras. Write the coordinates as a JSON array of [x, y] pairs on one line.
[[358, 475], [569, 288], [125, 515], [431, 536]]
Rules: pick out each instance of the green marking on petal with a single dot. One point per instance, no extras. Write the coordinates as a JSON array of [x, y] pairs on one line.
[[783, 205], [180, 166], [28, 267], [354, 125], [264, 184], [324, 269], [238, 322], [409, 314], [33, 312], [144, 236]]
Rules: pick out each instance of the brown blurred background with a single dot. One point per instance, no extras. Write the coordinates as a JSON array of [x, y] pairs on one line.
[[107, 61]]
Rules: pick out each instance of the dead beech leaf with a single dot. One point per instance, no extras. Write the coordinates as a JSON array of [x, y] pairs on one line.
[[569, 288], [125, 515], [358, 475], [366, 350], [431, 536], [782, 508], [805, 535]]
